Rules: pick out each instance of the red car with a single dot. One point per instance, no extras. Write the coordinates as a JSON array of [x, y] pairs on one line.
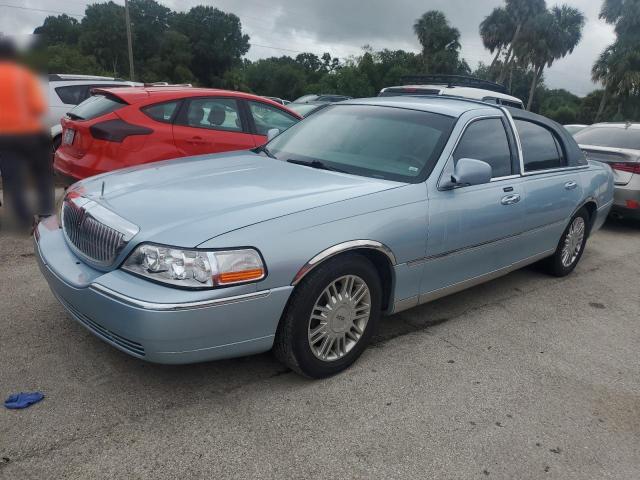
[[123, 127]]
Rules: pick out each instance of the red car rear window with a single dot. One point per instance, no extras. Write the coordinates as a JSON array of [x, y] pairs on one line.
[[96, 106]]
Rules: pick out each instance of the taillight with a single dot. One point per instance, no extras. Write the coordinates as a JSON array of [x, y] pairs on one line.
[[626, 167], [117, 130]]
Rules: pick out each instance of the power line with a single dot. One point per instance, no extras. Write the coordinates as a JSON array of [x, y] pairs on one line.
[[41, 10]]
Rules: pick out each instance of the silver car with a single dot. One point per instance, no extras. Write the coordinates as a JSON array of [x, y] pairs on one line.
[[368, 207], [618, 145]]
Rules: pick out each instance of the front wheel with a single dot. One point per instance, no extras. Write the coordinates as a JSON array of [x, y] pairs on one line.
[[330, 318], [571, 246]]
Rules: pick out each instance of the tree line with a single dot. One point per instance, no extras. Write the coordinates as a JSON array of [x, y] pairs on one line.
[[206, 46]]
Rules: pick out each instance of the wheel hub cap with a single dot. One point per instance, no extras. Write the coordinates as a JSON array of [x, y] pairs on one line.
[[339, 318], [573, 242]]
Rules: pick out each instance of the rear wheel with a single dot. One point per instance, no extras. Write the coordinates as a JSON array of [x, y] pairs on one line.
[[330, 318], [571, 246]]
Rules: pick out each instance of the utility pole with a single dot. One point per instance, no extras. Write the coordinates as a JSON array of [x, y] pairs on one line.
[[129, 44]]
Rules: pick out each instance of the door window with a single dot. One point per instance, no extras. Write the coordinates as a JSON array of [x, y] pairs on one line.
[[541, 149], [267, 117], [486, 140], [213, 113]]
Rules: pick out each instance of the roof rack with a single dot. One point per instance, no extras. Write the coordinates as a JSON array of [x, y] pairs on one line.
[[454, 81]]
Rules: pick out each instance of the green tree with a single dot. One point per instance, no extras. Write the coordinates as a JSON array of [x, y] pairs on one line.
[[103, 35], [440, 43], [549, 36], [521, 12], [496, 31], [217, 41], [62, 29]]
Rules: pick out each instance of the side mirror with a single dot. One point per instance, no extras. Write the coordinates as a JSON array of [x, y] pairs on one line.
[[272, 133], [470, 172]]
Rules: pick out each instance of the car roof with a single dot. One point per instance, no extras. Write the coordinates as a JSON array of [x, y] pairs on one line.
[[468, 92], [444, 105], [167, 93]]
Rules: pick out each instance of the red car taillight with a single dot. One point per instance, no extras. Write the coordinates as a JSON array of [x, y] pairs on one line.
[[627, 167], [117, 130]]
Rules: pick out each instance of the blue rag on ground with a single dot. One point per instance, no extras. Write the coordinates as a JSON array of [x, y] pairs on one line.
[[23, 399]]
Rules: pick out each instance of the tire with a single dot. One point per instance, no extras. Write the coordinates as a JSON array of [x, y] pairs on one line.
[[562, 262], [302, 333], [55, 144]]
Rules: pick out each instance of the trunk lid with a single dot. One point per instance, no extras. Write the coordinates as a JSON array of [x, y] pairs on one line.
[[611, 156]]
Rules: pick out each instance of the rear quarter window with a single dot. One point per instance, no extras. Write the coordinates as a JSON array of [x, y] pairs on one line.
[[96, 106], [161, 112]]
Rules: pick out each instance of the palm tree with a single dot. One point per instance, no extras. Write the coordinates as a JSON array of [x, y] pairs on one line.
[[440, 42], [496, 31], [521, 12], [603, 72], [618, 67], [549, 36]]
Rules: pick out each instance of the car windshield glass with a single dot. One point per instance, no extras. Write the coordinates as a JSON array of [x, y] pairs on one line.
[[615, 137], [96, 106], [373, 141]]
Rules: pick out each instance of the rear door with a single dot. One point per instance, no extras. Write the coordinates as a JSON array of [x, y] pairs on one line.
[[211, 125], [552, 187], [264, 117]]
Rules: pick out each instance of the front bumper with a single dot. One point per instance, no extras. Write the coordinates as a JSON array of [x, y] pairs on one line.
[[141, 323]]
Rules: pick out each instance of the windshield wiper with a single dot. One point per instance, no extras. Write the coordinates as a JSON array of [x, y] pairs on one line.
[[263, 148], [315, 164]]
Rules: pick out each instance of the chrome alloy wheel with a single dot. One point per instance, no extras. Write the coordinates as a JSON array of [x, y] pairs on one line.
[[573, 242], [339, 318]]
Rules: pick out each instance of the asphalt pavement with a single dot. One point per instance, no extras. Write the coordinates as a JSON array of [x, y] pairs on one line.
[[525, 377]]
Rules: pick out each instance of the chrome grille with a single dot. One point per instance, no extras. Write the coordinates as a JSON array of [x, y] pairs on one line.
[[91, 237]]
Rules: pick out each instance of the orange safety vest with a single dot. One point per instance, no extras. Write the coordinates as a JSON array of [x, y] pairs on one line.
[[22, 103]]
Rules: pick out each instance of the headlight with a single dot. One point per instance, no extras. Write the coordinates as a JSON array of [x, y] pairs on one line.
[[195, 268]]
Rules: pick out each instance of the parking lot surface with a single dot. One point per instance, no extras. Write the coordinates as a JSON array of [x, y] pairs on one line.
[[526, 377]]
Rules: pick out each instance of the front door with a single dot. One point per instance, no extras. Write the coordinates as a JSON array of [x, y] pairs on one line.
[[211, 125], [473, 230]]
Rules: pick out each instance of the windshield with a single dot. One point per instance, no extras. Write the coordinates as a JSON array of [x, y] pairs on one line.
[[614, 137], [373, 141]]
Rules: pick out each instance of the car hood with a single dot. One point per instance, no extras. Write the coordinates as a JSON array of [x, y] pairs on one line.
[[188, 201]]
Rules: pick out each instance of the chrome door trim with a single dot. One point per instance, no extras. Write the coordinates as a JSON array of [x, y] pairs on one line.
[[420, 261], [426, 297], [174, 307], [571, 168], [516, 136], [341, 248]]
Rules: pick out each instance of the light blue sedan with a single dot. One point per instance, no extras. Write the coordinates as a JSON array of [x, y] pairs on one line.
[[366, 208]]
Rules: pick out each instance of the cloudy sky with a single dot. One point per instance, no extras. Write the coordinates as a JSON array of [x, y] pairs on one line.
[[342, 27]]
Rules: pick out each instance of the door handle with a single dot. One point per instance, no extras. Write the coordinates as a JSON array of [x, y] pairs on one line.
[[570, 185], [510, 199], [196, 141]]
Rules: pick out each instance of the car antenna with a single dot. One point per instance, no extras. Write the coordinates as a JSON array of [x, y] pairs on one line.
[[102, 190]]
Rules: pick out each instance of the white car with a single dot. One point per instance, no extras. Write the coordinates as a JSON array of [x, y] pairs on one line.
[[67, 91], [455, 86]]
